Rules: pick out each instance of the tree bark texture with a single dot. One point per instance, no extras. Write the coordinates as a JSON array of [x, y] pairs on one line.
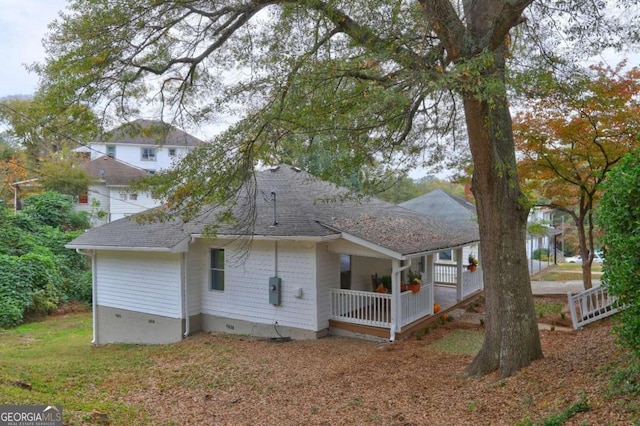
[[511, 340]]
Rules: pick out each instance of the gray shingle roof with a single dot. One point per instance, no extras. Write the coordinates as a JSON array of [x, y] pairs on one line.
[[150, 132], [305, 207], [112, 171], [455, 211], [127, 233]]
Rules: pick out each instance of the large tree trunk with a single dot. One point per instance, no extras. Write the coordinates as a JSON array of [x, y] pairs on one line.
[[511, 340]]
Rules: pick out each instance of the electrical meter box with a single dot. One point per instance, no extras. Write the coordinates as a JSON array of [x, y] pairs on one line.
[[274, 290]]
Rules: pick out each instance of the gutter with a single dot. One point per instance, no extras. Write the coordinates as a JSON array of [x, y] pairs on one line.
[[94, 291]]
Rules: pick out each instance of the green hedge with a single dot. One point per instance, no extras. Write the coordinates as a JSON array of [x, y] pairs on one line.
[[619, 217], [37, 272], [31, 282]]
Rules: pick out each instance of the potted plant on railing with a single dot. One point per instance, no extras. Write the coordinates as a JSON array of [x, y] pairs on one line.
[[473, 263], [415, 280], [415, 285]]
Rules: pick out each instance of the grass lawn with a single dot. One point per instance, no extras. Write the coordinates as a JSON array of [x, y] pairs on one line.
[[567, 272], [55, 358]]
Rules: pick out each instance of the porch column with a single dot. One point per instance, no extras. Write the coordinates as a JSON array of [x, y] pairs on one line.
[[430, 266], [429, 278], [459, 272]]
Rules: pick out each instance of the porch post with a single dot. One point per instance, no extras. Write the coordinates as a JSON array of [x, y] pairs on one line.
[[429, 273], [396, 300], [459, 271], [429, 278]]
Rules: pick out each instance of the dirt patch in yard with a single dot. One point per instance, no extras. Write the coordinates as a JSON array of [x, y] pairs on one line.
[[228, 380]]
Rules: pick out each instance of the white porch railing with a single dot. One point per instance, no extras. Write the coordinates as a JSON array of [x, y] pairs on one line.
[[471, 282], [361, 307], [374, 309], [592, 305], [445, 273], [416, 305]]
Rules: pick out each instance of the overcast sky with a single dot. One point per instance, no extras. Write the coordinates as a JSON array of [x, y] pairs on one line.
[[23, 24]]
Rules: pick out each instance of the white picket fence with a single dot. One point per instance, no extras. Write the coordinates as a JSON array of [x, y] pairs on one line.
[[592, 305]]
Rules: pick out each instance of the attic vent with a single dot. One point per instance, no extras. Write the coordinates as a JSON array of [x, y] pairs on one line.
[[101, 172], [296, 169], [274, 168]]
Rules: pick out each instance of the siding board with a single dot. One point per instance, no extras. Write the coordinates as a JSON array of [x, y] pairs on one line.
[[143, 282], [246, 294]]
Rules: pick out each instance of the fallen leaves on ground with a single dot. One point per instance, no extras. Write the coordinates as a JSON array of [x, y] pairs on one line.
[[229, 380]]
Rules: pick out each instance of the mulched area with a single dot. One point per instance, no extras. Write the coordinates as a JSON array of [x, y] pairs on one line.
[[217, 379]]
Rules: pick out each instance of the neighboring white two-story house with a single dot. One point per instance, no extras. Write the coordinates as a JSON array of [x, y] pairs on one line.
[[146, 144], [121, 156], [108, 198]]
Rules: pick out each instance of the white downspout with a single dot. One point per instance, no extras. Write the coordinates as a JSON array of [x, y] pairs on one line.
[[185, 286], [94, 291], [396, 270]]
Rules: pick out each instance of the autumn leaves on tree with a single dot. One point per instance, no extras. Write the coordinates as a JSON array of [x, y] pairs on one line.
[[570, 136]]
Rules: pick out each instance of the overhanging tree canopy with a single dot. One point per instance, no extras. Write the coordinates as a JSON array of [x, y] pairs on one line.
[[388, 78]]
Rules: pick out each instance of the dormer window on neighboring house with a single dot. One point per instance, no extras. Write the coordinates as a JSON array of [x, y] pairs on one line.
[[172, 152], [111, 151], [148, 154]]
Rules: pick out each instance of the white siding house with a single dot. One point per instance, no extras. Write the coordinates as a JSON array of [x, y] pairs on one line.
[[145, 144], [108, 197], [284, 280]]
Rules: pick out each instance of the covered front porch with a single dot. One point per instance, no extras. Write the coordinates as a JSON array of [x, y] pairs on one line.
[[392, 315]]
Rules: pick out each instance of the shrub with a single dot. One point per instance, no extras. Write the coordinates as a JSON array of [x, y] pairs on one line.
[[27, 283], [619, 217], [55, 209], [78, 288], [541, 254]]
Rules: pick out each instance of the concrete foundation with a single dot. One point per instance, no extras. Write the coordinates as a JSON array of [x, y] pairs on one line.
[[234, 326]]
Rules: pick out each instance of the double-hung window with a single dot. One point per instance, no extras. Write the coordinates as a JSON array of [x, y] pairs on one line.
[[217, 269], [148, 154]]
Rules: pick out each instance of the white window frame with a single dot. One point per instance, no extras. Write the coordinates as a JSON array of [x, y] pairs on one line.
[[148, 154], [216, 271], [172, 152], [111, 148]]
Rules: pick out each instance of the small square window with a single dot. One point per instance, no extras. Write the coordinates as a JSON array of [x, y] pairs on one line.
[[217, 269], [123, 196], [172, 152], [111, 151], [133, 196], [148, 154]]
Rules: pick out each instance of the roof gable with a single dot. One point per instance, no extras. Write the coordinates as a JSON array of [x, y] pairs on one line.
[[455, 211], [112, 171]]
